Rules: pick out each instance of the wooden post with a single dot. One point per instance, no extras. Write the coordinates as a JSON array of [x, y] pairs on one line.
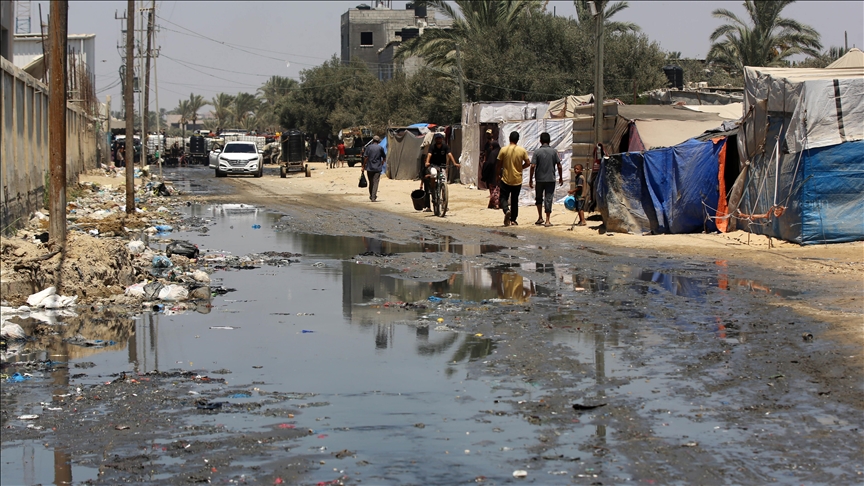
[[145, 110], [129, 108], [58, 23], [598, 76]]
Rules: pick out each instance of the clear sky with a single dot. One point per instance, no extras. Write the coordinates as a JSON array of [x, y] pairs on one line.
[[283, 38]]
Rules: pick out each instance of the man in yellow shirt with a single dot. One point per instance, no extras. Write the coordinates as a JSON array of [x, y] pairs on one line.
[[513, 159]]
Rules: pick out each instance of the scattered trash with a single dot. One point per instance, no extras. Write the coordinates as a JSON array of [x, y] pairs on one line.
[[240, 395], [17, 378], [256, 226], [520, 474], [151, 290], [121, 427], [343, 454], [205, 405], [692, 443], [80, 340], [173, 293], [807, 336], [163, 190], [48, 298], [136, 290], [161, 261], [182, 248], [432, 298], [224, 328], [28, 417], [135, 247], [579, 406], [201, 276], [164, 228], [11, 331], [306, 331]]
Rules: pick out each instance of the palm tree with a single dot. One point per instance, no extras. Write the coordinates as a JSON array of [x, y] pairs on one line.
[[275, 88], [221, 104], [195, 104], [183, 110], [244, 105], [438, 46], [584, 17], [766, 40]]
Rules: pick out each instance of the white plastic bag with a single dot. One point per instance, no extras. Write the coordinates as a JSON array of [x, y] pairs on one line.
[[201, 276], [10, 330], [135, 247], [35, 299], [173, 293], [58, 301], [136, 290]]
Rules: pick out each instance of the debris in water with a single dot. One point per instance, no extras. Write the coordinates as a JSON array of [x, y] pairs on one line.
[[520, 474], [224, 328], [580, 407]]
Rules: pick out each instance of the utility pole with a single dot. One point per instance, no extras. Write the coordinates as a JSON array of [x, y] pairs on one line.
[[140, 57], [108, 127], [145, 122], [461, 83], [598, 74], [160, 141], [58, 25], [129, 108]]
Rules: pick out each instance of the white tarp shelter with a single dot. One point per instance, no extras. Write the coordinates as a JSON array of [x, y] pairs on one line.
[[852, 59], [475, 114], [828, 103], [561, 134]]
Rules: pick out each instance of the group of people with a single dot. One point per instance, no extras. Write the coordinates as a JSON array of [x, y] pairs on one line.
[[502, 170], [336, 155]]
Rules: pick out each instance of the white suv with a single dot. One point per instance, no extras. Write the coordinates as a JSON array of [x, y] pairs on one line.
[[239, 158]]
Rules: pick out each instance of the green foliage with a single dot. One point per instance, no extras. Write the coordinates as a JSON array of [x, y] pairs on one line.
[[763, 39]]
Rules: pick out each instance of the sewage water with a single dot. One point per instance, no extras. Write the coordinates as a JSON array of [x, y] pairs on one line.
[[368, 372]]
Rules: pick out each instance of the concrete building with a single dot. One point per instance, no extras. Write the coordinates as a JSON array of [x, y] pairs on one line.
[[367, 31], [388, 66], [7, 29], [29, 52]]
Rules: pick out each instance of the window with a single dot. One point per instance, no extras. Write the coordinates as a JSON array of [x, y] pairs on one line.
[[240, 148], [366, 39]]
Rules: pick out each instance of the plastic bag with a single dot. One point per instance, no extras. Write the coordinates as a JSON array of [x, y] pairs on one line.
[[161, 261], [201, 276], [58, 301], [35, 299], [11, 331], [182, 248], [151, 291], [173, 293], [363, 181], [135, 247], [136, 290]]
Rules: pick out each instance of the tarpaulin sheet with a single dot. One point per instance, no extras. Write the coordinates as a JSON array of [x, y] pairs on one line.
[[670, 190], [621, 194], [561, 139], [404, 157], [821, 189], [682, 182]]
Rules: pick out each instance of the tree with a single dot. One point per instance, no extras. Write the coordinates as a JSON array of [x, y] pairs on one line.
[[221, 104], [245, 104], [195, 104], [584, 17], [764, 39], [183, 109], [474, 18]]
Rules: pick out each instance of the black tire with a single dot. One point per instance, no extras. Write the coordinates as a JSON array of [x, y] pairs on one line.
[[351, 164], [219, 173], [259, 173], [436, 200], [282, 172], [445, 199]]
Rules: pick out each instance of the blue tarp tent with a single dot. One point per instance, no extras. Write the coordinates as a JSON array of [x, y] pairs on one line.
[[667, 190], [805, 146]]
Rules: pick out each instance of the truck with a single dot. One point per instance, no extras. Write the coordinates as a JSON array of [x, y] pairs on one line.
[[355, 139]]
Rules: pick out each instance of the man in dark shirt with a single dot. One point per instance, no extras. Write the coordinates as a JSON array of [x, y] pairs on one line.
[[543, 166], [436, 159], [373, 164]]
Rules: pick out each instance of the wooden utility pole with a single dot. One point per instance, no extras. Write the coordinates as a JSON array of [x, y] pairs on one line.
[[145, 111], [128, 99], [461, 82], [58, 24], [598, 77]]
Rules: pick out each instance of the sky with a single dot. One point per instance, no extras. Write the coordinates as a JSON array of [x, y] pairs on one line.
[[283, 38]]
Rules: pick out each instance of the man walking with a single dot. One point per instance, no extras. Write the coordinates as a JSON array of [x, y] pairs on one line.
[[543, 164], [373, 164], [514, 159]]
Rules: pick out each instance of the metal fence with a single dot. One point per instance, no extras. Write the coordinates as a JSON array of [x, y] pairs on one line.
[[24, 145]]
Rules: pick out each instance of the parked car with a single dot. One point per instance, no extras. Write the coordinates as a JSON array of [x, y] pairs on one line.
[[239, 158]]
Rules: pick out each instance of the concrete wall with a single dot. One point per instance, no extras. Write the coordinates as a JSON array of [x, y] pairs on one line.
[[24, 147], [7, 28]]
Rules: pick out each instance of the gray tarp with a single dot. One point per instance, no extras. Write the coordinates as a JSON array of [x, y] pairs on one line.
[[404, 151]]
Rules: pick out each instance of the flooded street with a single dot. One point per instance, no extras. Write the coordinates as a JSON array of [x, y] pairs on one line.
[[424, 354]]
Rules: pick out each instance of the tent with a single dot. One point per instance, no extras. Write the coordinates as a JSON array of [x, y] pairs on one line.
[[475, 118], [666, 190], [405, 150], [802, 140], [852, 59]]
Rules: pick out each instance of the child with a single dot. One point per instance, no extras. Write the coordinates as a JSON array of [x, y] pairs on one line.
[[578, 193]]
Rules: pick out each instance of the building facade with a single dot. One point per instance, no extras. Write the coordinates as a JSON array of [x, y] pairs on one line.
[[366, 31]]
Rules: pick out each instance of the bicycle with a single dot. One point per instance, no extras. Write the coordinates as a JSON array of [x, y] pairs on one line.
[[440, 193]]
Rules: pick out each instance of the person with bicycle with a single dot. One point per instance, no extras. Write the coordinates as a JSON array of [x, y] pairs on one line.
[[436, 161]]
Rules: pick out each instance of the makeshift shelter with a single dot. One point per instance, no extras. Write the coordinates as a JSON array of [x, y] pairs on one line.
[[561, 134], [478, 117], [645, 127], [854, 58], [802, 140], [405, 151], [666, 190]]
